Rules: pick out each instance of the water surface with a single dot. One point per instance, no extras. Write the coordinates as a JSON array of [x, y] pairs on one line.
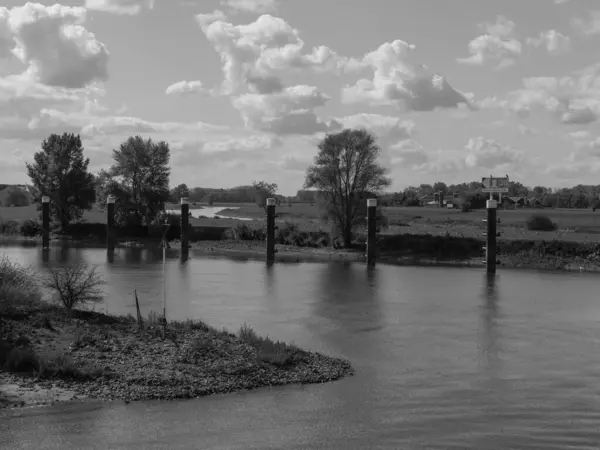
[[445, 358]]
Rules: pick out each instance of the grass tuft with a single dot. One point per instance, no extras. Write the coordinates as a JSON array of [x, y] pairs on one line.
[[268, 351]]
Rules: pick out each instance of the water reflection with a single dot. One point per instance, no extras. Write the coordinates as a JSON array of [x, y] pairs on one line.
[[110, 256], [133, 255], [489, 346], [352, 314], [270, 280]]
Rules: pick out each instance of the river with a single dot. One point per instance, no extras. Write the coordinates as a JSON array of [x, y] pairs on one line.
[[445, 358]]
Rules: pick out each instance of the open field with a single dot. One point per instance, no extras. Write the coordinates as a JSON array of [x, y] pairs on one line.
[[580, 225]]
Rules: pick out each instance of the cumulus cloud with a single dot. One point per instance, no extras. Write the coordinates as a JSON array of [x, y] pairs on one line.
[[53, 43], [185, 87], [290, 111], [589, 26], [389, 130], [573, 99], [124, 7], [490, 154], [208, 18], [261, 47], [498, 45], [393, 136], [554, 42], [398, 81]]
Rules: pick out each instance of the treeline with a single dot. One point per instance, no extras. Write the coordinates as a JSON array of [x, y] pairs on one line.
[[579, 196], [237, 194]]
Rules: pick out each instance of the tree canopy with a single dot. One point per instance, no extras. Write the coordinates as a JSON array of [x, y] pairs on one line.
[[263, 191], [60, 171], [139, 180], [345, 173]]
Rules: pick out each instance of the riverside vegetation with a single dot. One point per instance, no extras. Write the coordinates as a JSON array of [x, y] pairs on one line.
[[66, 346], [547, 239]]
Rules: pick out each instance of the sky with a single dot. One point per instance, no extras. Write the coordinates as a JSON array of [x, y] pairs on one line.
[[244, 90]]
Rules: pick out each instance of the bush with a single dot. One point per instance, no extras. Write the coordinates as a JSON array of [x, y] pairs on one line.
[[19, 360], [18, 285], [267, 350], [16, 197], [465, 207], [31, 228], [539, 222], [75, 285], [86, 229], [10, 227]]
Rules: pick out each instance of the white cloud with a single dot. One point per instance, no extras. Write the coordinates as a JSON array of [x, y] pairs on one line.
[[389, 130], [208, 18], [573, 99], [498, 45], [398, 81], [52, 41], [290, 111], [251, 6], [589, 27], [554, 42], [262, 47], [185, 87], [490, 154], [125, 7]]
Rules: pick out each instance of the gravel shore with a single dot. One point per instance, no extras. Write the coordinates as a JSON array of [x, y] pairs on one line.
[[109, 358]]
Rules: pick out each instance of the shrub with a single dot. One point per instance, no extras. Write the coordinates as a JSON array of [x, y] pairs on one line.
[[16, 197], [540, 222], [465, 207], [18, 285], [86, 229], [75, 285], [267, 350], [31, 228], [20, 360], [10, 227]]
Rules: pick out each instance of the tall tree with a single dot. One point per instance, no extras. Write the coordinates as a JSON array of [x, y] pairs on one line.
[[346, 172], [15, 196], [60, 172], [139, 180], [440, 186], [178, 192], [263, 191]]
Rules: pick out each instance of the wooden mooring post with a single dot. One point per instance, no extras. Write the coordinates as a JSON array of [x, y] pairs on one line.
[[45, 222], [490, 251], [371, 231], [270, 230], [185, 227], [110, 223]]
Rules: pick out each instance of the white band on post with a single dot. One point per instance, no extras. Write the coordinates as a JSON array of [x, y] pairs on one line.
[[110, 199], [45, 199], [184, 200], [270, 202], [491, 204], [371, 202]]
